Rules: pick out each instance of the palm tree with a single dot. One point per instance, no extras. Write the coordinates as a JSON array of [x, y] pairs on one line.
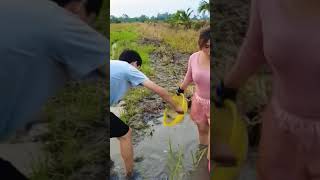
[[204, 7], [183, 17]]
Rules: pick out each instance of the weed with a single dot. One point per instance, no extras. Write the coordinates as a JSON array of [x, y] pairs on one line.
[[197, 156], [175, 162]]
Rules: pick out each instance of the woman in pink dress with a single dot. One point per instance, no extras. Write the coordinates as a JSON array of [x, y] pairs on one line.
[[285, 35], [199, 73]]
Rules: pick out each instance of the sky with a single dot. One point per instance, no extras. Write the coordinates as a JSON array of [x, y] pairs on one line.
[[135, 8]]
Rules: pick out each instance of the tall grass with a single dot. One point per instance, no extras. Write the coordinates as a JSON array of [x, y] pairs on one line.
[[197, 156], [175, 162], [179, 39]]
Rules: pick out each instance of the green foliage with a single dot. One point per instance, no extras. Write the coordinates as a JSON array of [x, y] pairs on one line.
[[204, 7], [126, 37]]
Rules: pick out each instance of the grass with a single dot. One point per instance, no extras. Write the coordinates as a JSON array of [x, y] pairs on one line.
[[197, 156], [179, 39], [75, 117], [125, 36], [175, 162], [77, 130], [131, 100]]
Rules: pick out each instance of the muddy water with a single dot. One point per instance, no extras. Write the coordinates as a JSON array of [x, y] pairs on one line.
[[152, 154]]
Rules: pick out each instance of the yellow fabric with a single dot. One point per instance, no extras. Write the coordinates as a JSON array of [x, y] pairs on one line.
[[228, 127], [175, 117]]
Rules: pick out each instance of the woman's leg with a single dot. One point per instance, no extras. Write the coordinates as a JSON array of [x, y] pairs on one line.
[[203, 131], [208, 154], [313, 161], [199, 116], [279, 152]]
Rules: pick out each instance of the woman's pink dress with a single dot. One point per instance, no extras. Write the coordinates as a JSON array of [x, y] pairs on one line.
[[200, 108], [290, 142]]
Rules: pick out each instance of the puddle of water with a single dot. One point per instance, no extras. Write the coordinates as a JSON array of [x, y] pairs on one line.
[[153, 152]]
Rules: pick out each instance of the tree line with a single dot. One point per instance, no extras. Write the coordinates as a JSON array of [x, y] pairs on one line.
[[179, 18]]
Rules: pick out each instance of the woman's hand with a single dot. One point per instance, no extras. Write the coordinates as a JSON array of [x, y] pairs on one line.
[[222, 93], [179, 91]]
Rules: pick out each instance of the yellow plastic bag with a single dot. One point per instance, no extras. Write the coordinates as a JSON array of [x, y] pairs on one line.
[[170, 117], [229, 128]]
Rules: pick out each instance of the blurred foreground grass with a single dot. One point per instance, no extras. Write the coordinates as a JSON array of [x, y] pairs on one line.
[[75, 146]]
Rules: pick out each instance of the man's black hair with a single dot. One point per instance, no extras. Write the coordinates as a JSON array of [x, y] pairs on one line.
[[130, 56], [92, 6]]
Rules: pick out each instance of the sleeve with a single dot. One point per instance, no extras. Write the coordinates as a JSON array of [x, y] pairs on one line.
[[188, 77], [79, 47], [135, 77], [251, 54]]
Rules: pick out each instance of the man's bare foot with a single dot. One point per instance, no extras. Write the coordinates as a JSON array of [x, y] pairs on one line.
[[129, 175]]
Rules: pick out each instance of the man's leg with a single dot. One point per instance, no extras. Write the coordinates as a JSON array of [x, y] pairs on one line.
[[121, 131], [127, 151]]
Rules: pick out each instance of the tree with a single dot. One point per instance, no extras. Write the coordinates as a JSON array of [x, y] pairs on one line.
[[204, 7], [183, 17], [143, 18]]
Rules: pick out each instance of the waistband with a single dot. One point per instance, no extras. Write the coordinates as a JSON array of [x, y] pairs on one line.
[[201, 100], [295, 123]]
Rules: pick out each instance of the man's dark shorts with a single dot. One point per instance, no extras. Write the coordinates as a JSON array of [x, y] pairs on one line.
[[117, 127], [8, 171]]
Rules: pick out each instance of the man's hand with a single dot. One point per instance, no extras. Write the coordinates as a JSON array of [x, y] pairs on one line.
[[162, 93], [179, 110]]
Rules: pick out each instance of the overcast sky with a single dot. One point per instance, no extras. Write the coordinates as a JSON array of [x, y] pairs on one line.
[[135, 8]]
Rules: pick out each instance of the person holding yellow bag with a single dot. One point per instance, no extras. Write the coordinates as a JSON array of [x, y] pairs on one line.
[[199, 73]]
